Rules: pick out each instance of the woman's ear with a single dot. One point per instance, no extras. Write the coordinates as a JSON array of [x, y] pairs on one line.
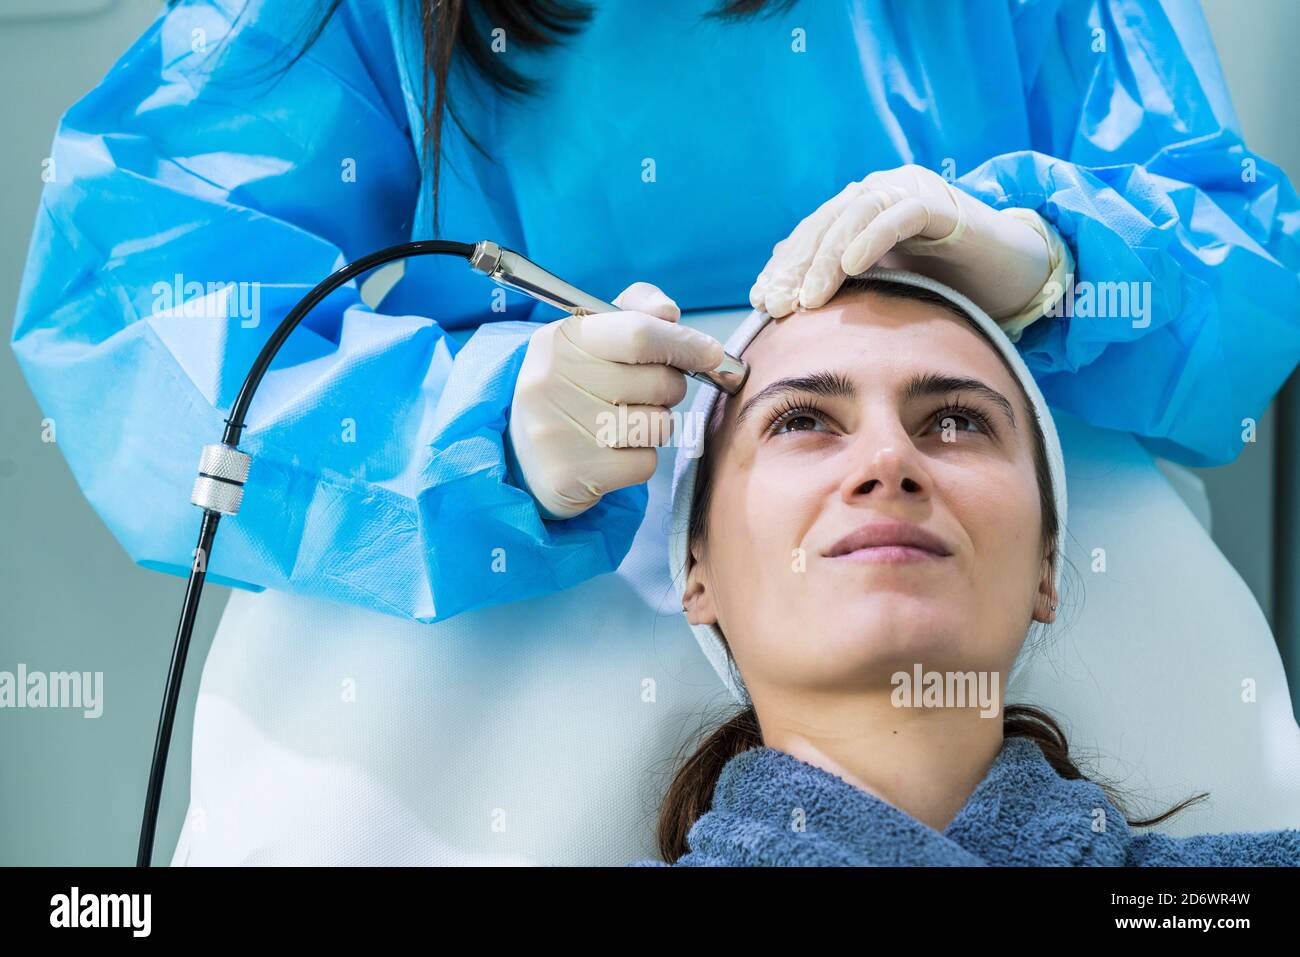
[[1045, 601], [697, 600]]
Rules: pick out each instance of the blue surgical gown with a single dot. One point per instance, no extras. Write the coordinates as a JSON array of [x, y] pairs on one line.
[[666, 148]]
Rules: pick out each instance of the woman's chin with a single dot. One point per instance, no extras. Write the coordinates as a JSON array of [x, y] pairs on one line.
[[899, 616]]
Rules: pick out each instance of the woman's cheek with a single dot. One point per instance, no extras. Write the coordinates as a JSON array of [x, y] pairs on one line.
[[997, 510]]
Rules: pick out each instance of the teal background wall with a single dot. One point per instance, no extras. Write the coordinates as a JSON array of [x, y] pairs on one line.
[[71, 599]]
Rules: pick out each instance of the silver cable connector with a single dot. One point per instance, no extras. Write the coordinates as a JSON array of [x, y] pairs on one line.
[[223, 470]]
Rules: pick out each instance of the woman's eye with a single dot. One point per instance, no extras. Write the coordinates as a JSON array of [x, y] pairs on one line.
[[950, 420], [797, 421]]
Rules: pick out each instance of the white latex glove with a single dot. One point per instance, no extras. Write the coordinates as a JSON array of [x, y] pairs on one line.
[[566, 439], [912, 218]]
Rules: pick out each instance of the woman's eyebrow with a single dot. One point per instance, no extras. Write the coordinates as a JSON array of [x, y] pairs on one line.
[[831, 385], [938, 383], [840, 386]]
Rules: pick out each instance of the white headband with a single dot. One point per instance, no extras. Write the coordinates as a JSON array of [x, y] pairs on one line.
[[688, 457]]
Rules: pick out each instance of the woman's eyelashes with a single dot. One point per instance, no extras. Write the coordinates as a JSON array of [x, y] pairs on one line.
[[950, 414], [791, 411], [795, 415]]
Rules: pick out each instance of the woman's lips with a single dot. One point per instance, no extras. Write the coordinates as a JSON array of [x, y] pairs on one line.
[[889, 540], [889, 555]]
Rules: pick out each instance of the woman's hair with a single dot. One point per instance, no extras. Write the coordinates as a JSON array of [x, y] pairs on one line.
[[691, 791], [459, 30]]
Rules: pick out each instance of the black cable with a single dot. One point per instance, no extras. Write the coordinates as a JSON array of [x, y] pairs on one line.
[[423, 247], [162, 742], [208, 528]]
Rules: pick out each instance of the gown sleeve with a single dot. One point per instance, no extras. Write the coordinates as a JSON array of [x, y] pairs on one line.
[[191, 199], [1184, 319]]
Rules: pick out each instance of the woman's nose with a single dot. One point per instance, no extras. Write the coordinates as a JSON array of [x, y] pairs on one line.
[[885, 469]]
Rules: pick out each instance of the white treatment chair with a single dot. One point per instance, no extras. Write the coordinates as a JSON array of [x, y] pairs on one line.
[[544, 732]]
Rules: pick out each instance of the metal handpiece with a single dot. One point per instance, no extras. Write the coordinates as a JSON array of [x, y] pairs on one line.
[[508, 268]]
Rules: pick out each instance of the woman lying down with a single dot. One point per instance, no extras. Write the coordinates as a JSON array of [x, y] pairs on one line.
[[864, 539]]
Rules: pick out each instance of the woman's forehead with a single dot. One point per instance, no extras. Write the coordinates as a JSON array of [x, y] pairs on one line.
[[873, 337]]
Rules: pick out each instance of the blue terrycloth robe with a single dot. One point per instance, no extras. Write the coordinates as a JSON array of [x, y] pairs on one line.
[[1022, 814]]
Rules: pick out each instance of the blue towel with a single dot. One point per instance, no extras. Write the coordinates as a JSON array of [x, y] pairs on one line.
[[773, 809]]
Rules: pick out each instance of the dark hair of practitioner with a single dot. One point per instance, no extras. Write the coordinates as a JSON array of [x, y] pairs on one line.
[[458, 34]]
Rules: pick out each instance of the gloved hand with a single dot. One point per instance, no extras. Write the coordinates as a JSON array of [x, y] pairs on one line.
[[566, 440], [912, 218]]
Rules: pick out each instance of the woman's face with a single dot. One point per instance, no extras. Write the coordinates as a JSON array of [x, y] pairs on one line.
[[846, 422]]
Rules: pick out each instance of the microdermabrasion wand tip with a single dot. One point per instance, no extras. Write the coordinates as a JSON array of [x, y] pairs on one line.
[[729, 376], [508, 268]]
